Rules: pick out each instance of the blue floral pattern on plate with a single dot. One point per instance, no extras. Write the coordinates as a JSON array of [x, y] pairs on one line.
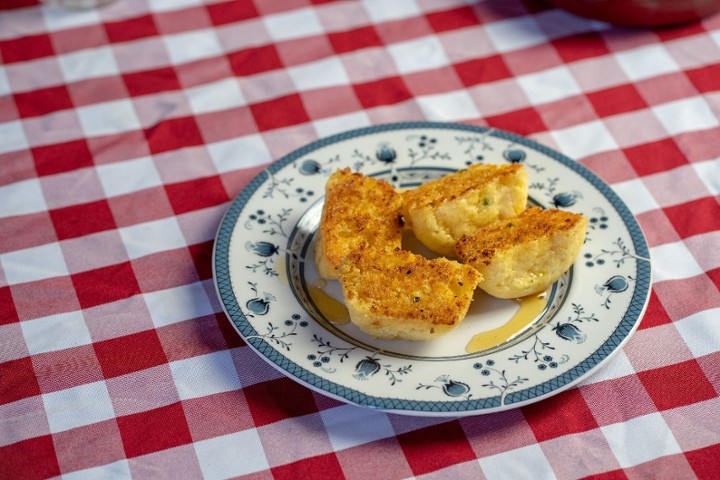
[[265, 278]]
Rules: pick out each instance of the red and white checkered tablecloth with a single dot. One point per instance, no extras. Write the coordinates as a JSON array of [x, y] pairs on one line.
[[126, 131]]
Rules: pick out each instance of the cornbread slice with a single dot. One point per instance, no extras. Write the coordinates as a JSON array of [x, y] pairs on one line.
[[396, 294], [526, 254], [441, 211], [358, 210]]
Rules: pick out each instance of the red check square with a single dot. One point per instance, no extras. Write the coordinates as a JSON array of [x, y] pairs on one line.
[[267, 401], [524, 121], [131, 29], [196, 194], [279, 112], [655, 157], [62, 157], [436, 447], [131, 353], [173, 133], [563, 414], [676, 385], [201, 254], [705, 462], [705, 79], [355, 39], [385, 91], [614, 100], [26, 48], [18, 380], [154, 430], [579, 47], [230, 335], [454, 19], [83, 219], [43, 101], [34, 458], [231, 12], [105, 285], [254, 60], [482, 70], [655, 315], [327, 464], [8, 313], [151, 81], [696, 217]]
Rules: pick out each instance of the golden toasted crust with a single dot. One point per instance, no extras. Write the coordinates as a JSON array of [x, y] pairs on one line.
[[358, 210], [524, 255], [395, 294], [441, 211]]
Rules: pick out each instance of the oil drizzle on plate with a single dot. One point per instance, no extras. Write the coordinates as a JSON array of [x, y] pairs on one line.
[[530, 308], [335, 311]]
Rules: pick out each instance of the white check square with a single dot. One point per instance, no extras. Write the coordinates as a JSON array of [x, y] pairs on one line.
[[687, 115], [168, 5], [448, 106], [129, 176], [349, 426], [231, 455], [205, 375], [293, 24], [332, 125], [108, 118], [549, 85], [115, 470], [584, 139], [12, 137], [709, 173], [238, 153], [55, 332], [35, 263], [152, 237], [645, 62], [640, 440], [324, 73], [178, 304], [89, 63], [384, 11], [636, 195], [191, 46], [78, 406], [66, 18], [418, 55], [677, 262], [4, 83], [22, 197], [514, 34], [617, 367], [212, 97], [700, 332], [525, 462]]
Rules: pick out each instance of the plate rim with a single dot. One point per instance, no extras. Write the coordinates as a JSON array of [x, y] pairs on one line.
[[592, 362]]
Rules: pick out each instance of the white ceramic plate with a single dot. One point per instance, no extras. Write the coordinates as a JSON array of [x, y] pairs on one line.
[[265, 277]]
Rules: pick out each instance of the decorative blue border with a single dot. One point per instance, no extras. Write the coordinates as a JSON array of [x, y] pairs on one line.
[[629, 322]]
